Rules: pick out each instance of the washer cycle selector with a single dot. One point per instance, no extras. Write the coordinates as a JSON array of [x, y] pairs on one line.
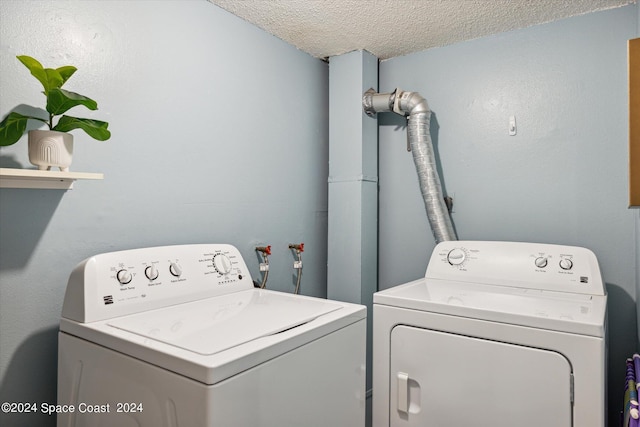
[[175, 269], [151, 272], [222, 264], [124, 276], [456, 256]]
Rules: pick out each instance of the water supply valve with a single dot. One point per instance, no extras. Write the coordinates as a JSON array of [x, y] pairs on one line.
[[298, 248], [264, 251], [297, 264]]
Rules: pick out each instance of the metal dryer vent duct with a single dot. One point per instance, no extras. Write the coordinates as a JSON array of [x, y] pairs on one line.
[[415, 106]]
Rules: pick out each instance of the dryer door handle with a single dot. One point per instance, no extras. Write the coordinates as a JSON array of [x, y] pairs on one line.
[[403, 392]]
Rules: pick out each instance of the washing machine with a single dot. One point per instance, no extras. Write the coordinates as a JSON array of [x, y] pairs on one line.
[[178, 336], [497, 334]]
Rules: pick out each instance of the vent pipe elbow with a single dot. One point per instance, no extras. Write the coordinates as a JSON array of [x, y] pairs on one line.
[[398, 101], [412, 104]]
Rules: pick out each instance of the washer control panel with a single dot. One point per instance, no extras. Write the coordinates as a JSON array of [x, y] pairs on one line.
[[525, 265], [131, 281]]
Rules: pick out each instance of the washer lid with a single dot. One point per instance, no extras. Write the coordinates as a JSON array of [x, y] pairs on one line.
[[217, 324]]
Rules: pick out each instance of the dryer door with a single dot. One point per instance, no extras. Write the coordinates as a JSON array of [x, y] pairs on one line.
[[441, 379]]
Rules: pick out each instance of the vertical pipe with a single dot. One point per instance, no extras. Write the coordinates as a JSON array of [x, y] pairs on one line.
[[416, 107]]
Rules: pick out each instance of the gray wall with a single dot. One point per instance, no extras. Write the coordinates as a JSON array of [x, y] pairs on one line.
[[561, 179], [220, 134], [218, 128]]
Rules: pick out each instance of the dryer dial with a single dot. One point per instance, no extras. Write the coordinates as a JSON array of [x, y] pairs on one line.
[[566, 264], [541, 262], [456, 256]]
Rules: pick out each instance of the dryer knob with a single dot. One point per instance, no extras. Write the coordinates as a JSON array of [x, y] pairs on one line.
[[456, 256], [541, 262], [566, 264]]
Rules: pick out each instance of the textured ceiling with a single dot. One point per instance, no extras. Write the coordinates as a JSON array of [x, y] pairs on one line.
[[389, 28]]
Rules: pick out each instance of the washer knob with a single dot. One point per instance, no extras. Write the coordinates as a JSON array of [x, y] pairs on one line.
[[456, 256], [566, 264], [151, 272], [175, 269], [222, 264], [124, 276], [541, 262]]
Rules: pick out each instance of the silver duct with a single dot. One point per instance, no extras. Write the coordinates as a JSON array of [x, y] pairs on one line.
[[416, 107]]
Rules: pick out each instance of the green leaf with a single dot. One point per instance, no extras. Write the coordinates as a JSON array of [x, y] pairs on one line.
[[54, 80], [13, 127], [66, 72], [37, 70], [60, 100], [94, 128], [50, 78]]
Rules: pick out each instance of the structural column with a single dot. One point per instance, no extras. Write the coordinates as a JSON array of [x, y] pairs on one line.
[[352, 263]]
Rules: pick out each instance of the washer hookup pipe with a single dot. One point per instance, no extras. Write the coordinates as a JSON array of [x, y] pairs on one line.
[[297, 264], [265, 251]]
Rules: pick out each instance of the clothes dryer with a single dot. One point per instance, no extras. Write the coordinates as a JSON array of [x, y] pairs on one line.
[[178, 336], [497, 334]]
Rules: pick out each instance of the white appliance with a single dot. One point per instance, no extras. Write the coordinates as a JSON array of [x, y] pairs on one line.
[[179, 336], [497, 334]]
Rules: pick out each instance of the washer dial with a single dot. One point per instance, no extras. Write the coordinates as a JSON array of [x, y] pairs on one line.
[[175, 269], [124, 276], [222, 264], [151, 272]]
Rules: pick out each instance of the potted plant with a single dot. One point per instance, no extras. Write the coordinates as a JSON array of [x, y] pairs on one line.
[[52, 147]]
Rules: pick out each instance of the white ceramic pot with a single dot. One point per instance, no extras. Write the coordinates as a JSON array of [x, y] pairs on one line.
[[49, 148]]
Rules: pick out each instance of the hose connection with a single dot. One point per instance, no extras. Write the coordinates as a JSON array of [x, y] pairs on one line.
[[297, 264], [297, 247], [264, 252]]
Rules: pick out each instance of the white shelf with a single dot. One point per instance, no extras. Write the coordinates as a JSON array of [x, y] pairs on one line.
[[32, 178]]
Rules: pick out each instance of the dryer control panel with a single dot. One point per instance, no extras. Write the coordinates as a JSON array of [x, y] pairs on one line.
[[524, 265], [126, 282]]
